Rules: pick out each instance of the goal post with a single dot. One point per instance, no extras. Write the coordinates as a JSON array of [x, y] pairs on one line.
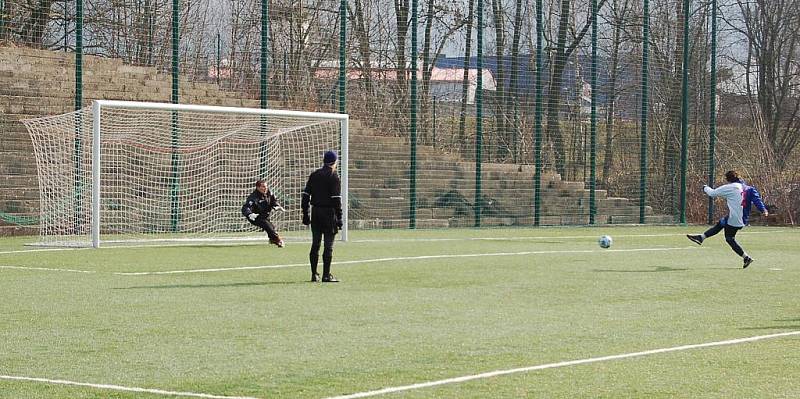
[[175, 172]]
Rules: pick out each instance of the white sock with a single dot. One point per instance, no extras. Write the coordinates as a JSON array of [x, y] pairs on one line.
[[703, 236]]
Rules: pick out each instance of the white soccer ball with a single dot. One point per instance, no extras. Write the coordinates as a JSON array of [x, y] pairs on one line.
[[605, 241]]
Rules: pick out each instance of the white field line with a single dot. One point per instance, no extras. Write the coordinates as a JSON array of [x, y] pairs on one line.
[[24, 251], [47, 269], [120, 388], [531, 238], [402, 258], [220, 269], [419, 385], [559, 364], [517, 238]]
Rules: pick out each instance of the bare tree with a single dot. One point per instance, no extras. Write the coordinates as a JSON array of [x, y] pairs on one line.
[[33, 28], [620, 10], [563, 49], [512, 102], [498, 20], [465, 82], [361, 31], [448, 21], [772, 73]]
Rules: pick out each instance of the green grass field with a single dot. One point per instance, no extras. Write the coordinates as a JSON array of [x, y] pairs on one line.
[[410, 309]]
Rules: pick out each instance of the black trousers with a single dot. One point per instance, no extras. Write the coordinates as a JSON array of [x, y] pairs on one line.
[[730, 235], [317, 235], [264, 224]]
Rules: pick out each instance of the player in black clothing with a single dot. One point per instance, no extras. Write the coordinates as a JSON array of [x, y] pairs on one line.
[[256, 210], [323, 193]]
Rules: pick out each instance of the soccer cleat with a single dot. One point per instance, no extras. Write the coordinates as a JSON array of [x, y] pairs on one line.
[[747, 261], [696, 238], [277, 241], [329, 279], [314, 277]]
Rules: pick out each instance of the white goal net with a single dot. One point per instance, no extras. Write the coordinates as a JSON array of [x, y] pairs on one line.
[[130, 171]]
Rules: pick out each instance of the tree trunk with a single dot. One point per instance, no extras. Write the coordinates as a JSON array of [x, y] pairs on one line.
[[554, 90], [465, 83], [513, 98], [33, 29], [401, 112], [608, 157], [425, 94], [499, 96]]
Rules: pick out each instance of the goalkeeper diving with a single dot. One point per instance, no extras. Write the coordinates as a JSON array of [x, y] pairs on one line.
[[256, 210]]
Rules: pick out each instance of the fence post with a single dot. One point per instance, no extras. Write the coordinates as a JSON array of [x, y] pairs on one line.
[[412, 206], [645, 108], [685, 110], [78, 54], [537, 139], [479, 119], [712, 133], [78, 141], [342, 57], [593, 118], [263, 155], [264, 52], [219, 55], [175, 134]]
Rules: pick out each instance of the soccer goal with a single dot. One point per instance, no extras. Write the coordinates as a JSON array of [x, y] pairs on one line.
[[125, 171]]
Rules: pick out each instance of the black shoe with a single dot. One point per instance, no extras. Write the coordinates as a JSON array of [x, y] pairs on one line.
[[329, 279], [747, 261], [314, 277], [696, 238]]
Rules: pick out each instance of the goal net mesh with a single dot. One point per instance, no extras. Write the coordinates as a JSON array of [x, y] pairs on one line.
[[172, 175]]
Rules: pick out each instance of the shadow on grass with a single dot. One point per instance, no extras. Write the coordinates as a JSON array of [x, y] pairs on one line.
[[657, 269], [777, 327], [786, 327], [263, 283]]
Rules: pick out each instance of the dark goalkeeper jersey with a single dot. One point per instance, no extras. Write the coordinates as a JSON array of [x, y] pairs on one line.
[[259, 203], [323, 190]]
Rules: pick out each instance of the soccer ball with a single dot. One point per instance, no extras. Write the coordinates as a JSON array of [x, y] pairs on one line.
[[604, 241]]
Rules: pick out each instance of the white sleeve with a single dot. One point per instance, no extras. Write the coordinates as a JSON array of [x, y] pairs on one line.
[[722, 191], [710, 191]]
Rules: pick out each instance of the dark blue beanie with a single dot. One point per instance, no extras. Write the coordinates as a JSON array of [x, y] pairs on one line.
[[329, 157]]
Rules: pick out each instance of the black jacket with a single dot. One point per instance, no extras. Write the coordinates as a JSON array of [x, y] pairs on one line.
[[323, 191], [261, 204]]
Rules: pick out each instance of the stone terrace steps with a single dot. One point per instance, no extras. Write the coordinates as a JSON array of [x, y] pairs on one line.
[[24, 95], [379, 176], [378, 169]]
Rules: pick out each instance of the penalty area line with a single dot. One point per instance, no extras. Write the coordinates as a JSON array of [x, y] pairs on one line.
[[251, 242], [46, 269], [405, 258], [120, 388], [496, 373], [536, 238]]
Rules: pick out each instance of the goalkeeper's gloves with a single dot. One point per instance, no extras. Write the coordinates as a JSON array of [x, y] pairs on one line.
[[252, 216], [339, 223], [306, 219]]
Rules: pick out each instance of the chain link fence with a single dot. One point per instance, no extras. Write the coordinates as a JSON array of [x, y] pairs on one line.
[[470, 112]]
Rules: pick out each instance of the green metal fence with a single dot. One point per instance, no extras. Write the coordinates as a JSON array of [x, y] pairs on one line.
[[500, 113]]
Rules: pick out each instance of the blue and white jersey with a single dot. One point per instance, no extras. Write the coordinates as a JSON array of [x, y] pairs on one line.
[[751, 197], [734, 196]]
